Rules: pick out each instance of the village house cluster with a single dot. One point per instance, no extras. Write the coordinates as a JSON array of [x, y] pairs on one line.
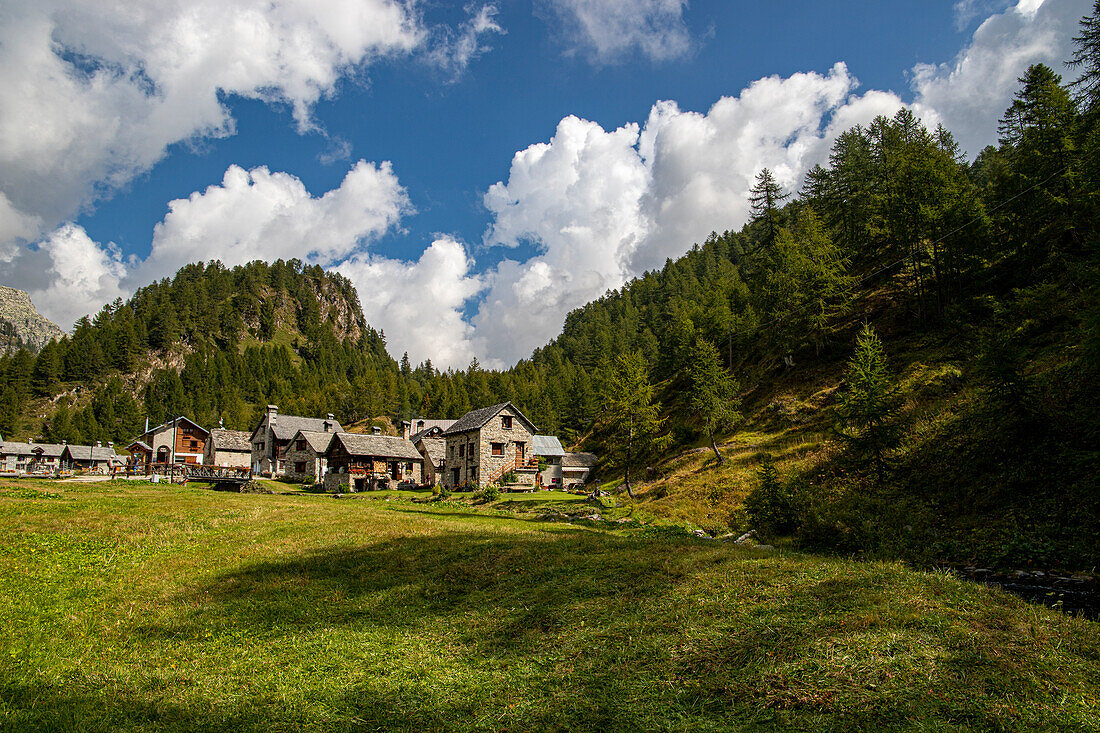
[[491, 445]]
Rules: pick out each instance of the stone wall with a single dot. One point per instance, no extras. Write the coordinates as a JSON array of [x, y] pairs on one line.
[[492, 432], [314, 468]]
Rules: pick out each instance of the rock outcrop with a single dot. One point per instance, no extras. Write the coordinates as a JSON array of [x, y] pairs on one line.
[[21, 324]]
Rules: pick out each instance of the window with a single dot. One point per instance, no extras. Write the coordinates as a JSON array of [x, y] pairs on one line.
[[461, 451], [301, 444], [300, 467], [260, 446], [506, 422], [498, 449], [194, 445]]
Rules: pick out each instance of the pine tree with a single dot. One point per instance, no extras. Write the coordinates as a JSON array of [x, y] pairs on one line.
[[631, 417], [713, 393], [869, 406]]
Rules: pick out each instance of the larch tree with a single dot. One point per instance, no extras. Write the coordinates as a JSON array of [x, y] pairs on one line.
[[714, 397], [631, 415], [765, 198]]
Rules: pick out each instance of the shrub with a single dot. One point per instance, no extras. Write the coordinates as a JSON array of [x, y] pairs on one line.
[[770, 504]]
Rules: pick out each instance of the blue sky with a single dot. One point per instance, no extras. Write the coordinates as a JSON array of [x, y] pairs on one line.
[[477, 170]]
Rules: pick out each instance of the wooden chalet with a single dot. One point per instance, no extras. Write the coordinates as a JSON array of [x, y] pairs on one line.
[[177, 441]]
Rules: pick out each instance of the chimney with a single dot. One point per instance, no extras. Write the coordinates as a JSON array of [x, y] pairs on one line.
[[272, 413], [221, 423], [330, 420], [99, 444], [376, 430]]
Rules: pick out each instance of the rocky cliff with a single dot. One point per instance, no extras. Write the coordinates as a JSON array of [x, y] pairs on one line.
[[21, 324]]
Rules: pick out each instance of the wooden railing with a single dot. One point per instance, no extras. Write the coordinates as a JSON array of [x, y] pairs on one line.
[[516, 464]]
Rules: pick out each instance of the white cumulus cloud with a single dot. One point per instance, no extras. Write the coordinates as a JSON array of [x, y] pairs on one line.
[[259, 214], [419, 304], [69, 275], [93, 93], [970, 94]]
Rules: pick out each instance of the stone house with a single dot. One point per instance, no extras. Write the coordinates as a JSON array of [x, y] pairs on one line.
[[92, 458], [23, 458], [228, 449], [365, 462], [432, 447], [273, 434], [306, 456], [484, 445], [179, 440]]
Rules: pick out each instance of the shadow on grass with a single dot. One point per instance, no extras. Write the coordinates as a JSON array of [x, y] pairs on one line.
[[515, 589]]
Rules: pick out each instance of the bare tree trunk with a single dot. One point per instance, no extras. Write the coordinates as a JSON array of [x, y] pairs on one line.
[[714, 447], [626, 480]]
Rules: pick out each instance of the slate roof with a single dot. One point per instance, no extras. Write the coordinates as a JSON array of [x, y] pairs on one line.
[[49, 450], [319, 442], [140, 444], [15, 449], [476, 419], [428, 424], [89, 452], [433, 431], [578, 460], [382, 446], [546, 445], [238, 441], [436, 448], [287, 425]]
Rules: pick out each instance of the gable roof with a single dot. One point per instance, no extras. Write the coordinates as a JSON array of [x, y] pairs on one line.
[[435, 448], [287, 425], [546, 445], [433, 432], [139, 444], [238, 441], [49, 450], [578, 460], [382, 446], [169, 423], [89, 452], [476, 419], [12, 448], [319, 442]]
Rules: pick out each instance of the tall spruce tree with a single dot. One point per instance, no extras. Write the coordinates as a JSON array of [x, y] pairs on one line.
[[869, 405]]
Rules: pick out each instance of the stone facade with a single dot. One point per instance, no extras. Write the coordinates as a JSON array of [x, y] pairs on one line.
[[305, 457], [470, 458]]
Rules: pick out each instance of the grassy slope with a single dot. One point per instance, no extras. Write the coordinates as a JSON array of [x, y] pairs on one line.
[[140, 607]]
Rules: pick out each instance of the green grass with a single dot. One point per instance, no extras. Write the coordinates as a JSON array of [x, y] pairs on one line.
[[156, 607]]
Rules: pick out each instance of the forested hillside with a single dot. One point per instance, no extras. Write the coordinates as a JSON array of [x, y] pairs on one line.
[[976, 286]]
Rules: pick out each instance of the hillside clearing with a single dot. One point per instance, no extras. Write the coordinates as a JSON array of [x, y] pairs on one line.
[[137, 607]]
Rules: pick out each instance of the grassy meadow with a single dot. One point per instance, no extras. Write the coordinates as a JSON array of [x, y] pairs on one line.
[[128, 606]]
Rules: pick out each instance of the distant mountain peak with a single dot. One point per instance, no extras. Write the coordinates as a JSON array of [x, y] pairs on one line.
[[21, 324]]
